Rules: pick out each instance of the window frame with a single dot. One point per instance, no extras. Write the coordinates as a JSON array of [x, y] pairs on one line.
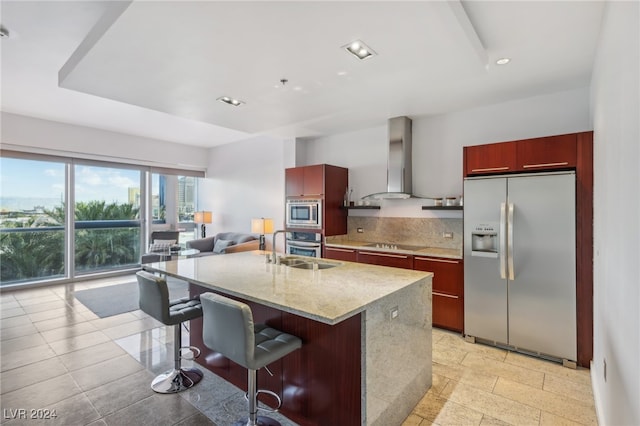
[[145, 219]]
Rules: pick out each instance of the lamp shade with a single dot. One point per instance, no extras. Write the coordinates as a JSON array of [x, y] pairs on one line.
[[262, 226], [202, 217]]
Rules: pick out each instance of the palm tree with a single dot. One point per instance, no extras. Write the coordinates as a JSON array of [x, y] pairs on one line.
[[29, 255], [105, 248], [57, 214]]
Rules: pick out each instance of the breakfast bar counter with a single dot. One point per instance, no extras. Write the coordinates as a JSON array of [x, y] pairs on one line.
[[366, 332]]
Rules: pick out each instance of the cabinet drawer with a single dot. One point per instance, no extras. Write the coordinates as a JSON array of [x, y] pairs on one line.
[[448, 274], [395, 260], [337, 253], [448, 311]]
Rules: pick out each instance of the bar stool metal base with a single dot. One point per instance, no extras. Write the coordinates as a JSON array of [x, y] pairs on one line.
[[260, 421], [175, 381], [252, 397]]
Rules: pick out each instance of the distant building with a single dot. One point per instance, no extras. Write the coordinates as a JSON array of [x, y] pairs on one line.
[[186, 197], [134, 196]]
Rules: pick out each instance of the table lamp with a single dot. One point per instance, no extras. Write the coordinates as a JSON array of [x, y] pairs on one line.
[[262, 226], [203, 218]]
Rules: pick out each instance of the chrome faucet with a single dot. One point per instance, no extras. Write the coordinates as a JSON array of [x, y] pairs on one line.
[[273, 245]]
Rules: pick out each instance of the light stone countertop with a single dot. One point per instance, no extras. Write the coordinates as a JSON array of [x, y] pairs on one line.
[[326, 295], [424, 251]]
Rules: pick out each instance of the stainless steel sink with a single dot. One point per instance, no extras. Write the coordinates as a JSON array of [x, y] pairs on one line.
[[311, 265], [289, 261], [296, 262]]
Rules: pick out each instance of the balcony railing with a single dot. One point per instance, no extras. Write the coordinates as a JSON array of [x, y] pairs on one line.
[[36, 254]]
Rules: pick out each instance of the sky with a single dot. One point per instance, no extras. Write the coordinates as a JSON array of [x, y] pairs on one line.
[[39, 179]]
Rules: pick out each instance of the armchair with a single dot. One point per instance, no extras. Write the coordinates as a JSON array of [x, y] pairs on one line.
[[161, 244]]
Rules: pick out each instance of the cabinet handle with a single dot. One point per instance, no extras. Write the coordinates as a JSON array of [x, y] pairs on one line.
[[340, 249], [512, 272], [530, 166], [491, 169], [502, 244], [435, 293], [431, 259], [399, 256]]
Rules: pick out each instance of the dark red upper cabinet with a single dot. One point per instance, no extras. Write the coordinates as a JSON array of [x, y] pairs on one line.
[[313, 180], [304, 181], [490, 158], [294, 181], [528, 155], [552, 152]]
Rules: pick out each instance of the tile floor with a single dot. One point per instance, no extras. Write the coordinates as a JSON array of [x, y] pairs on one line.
[[58, 355], [475, 384]]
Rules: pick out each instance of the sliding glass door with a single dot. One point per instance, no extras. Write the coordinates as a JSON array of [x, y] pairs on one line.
[[173, 203], [62, 218], [107, 217], [32, 220]]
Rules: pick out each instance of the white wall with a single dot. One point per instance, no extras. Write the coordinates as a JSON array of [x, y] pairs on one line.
[[43, 136], [615, 97], [363, 152], [438, 141], [245, 181]]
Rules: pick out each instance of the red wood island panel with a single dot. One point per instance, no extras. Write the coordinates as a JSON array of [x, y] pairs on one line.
[[319, 384]]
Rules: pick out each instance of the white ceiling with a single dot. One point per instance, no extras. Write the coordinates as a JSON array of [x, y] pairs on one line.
[[155, 68]]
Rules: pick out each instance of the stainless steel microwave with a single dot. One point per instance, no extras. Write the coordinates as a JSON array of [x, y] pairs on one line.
[[304, 213]]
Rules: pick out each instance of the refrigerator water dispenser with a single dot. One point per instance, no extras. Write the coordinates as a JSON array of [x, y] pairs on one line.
[[484, 240]]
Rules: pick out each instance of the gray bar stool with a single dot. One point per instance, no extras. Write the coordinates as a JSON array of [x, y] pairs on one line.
[[228, 328], [154, 300]]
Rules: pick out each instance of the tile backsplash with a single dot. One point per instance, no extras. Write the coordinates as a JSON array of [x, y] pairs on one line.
[[402, 230]]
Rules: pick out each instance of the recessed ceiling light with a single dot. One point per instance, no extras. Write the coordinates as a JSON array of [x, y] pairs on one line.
[[230, 101], [358, 49], [503, 61]]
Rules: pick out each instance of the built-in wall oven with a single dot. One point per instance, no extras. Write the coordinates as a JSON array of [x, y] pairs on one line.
[[304, 213], [304, 244]]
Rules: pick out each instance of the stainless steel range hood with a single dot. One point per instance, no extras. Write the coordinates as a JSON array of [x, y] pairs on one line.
[[399, 161]]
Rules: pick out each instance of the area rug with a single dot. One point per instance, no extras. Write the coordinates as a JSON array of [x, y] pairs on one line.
[[120, 298]]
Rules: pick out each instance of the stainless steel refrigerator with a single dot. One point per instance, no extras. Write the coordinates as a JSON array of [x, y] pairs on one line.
[[520, 262]]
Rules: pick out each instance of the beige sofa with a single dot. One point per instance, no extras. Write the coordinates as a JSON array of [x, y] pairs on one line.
[[225, 242]]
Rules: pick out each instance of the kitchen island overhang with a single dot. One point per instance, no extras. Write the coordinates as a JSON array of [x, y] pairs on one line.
[[366, 330]]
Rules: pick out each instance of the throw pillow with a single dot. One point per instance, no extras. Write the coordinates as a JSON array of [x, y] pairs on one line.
[[221, 245], [170, 242], [160, 247]]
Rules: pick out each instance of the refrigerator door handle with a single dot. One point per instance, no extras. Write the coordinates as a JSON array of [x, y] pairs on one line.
[[512, 272], [503, 248]]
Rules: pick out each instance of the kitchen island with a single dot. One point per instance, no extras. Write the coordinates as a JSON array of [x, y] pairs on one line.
[[366, 332]]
